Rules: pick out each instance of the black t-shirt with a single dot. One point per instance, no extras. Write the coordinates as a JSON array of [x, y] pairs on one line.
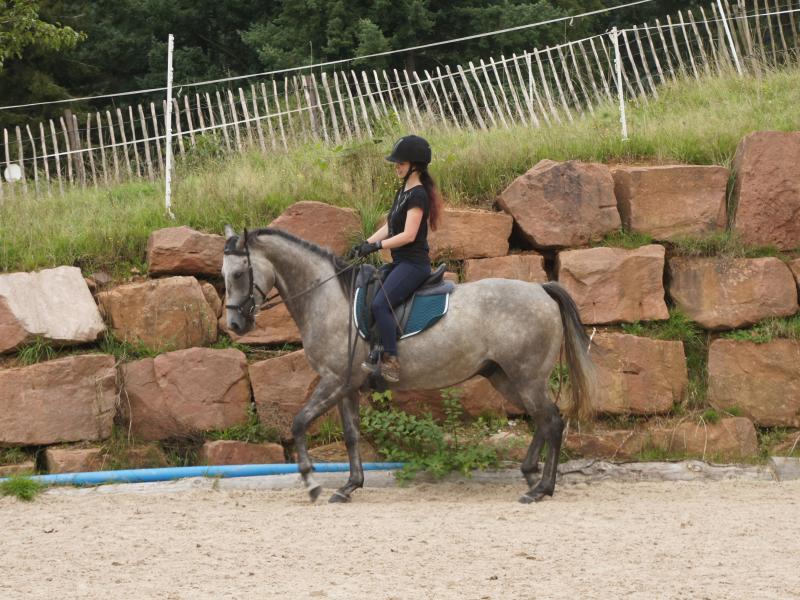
[[416, 251]]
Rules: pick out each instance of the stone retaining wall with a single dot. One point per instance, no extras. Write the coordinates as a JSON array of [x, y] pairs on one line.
[[551, 221]]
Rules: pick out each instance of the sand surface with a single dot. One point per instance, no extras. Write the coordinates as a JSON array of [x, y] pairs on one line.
[[731, 539]]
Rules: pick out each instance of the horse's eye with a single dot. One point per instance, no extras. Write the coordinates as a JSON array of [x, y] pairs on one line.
[[238, 274]]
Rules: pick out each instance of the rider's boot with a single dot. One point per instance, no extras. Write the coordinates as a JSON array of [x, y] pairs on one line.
[[390, 368]]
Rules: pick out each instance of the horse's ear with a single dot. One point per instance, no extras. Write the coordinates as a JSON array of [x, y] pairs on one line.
[[229, 232], [241, 241]]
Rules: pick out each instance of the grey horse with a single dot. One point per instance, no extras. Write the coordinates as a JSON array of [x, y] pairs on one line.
[[506, 330]]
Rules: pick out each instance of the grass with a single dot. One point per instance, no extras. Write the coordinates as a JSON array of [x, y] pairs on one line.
[[107, 227], [330, 431], [123, 350], [254, 431], [12, 456], [625, 239], [36, 351], [21, 487], [768, 330], [725, 244]]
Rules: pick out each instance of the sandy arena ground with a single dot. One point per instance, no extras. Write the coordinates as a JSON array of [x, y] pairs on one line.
[[731, 539]]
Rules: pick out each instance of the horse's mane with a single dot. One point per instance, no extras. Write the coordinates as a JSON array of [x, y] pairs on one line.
[[337, 262]]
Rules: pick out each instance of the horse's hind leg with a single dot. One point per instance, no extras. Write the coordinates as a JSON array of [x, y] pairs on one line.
[[351, 422], [325, 395], [501, 382], [550, 429]]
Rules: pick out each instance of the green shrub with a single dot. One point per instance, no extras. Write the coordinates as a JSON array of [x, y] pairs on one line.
[[22, 487], [423, 444]]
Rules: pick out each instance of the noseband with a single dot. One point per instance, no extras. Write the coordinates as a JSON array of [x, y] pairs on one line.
[[246, 308]]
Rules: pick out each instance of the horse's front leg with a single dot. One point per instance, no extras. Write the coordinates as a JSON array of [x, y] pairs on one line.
[[327, 393], [351, 422]]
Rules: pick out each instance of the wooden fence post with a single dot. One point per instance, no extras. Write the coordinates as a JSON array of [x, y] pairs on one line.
[[187, 108], [380, 93], [336, 135], [35, 160], [280, 113], [526, 96], [545, 85], [267, 111], [146, 142], [66, 145], [348, 130], [45, 162], [58, 156], [558, 84], [361, 103], [89, 148], [21, 159], [454, 85], [156, 136], [471, 97]]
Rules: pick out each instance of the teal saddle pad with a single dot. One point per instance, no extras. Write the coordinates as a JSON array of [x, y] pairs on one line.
[[426, 310]]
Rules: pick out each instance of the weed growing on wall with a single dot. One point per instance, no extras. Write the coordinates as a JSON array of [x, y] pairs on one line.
[[12, 456], [725, 244], [423, 444], [625, 239], [123, 350], [768, 330], [329, 432], [253, 431], [37, 351]]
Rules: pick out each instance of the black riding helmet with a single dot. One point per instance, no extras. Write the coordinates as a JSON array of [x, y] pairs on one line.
[[411, 148]]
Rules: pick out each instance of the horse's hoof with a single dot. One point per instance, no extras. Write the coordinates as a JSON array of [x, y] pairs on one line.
[[314, 492], [530, 497], [338, 498]]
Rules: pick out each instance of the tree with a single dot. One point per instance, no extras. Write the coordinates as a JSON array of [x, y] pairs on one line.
[[21, 27]]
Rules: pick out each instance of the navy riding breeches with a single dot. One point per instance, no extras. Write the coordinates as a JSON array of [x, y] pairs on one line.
[[402, 281]]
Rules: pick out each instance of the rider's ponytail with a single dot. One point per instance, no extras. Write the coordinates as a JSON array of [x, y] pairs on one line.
[[434, 196]]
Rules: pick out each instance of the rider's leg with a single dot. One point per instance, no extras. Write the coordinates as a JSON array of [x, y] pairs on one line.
[[403, 280]]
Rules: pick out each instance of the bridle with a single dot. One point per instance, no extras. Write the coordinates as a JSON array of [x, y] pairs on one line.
[[247, 307]]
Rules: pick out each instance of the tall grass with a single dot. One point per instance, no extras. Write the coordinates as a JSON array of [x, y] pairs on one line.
[[107, 227]]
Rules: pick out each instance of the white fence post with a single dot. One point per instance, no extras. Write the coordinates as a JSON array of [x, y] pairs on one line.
[[618, 69], [168, 127], [724, 17]]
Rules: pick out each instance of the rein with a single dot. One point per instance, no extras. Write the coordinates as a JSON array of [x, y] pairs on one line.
[[248, 306]]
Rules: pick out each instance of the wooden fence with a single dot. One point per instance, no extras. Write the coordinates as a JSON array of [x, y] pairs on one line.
[[534, 88]]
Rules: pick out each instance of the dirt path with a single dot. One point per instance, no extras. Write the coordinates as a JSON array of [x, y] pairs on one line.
[[732, 539]]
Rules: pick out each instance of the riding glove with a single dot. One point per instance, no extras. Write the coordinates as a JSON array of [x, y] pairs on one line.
[[367, 248]]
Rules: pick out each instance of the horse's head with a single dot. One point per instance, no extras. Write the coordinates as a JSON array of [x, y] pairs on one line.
[[248, 279]]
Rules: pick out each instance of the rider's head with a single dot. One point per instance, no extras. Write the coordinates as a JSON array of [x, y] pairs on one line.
[[410, 153]]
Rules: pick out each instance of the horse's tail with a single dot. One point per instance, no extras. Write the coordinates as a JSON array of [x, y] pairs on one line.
[[581, 370]]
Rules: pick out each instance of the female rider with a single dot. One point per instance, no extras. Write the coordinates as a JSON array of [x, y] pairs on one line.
[[416, 205]]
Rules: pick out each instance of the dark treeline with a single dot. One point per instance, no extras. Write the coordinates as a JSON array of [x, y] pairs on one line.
[[124, 46]]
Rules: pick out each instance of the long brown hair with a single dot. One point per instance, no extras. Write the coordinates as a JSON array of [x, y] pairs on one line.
[[435, 198]]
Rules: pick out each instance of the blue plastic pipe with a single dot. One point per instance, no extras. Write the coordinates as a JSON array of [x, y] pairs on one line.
[[171, 473]]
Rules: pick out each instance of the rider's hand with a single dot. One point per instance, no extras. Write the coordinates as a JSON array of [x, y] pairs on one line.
[[367, 248]]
